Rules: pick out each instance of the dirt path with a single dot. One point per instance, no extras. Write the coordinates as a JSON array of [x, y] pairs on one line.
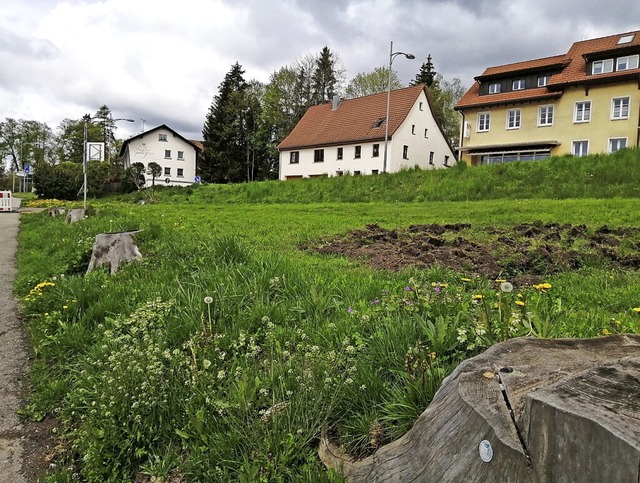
[[13, 357]]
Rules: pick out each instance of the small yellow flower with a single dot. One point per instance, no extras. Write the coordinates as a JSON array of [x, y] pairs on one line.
[[605, 332], [65, 306], [465, 279], [496, 305], [478, 297], [500, 280], [520, 303], [520, 295], [636, 309]]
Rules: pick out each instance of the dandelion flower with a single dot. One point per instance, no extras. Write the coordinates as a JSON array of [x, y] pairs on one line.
[[506, 286], [478, 297], [520, 303], [465, 280], [636, 309], [605, 332], [208, 300], [500, 280]]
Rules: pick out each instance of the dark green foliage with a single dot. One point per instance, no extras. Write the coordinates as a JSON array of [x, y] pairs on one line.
[[154, 170], [225, 140], [324, 77], [62, 181]]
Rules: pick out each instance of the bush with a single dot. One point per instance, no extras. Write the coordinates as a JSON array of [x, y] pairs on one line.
[[64, 181]]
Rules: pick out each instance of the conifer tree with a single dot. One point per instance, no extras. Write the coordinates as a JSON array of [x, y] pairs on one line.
[[224, 135], [324, 77]]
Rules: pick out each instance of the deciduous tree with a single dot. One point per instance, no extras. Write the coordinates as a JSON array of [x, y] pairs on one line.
[[364, 84]]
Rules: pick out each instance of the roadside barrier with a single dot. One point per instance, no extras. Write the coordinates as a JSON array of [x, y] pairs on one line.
[[5, 201]]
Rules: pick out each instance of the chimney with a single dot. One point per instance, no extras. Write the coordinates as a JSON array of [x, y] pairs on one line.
[[335, 102]]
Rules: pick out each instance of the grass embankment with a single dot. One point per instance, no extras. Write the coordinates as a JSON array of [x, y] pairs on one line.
[[223, 354], [597, 176]]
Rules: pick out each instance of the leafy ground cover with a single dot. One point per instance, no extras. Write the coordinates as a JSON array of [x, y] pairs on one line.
[[225, 352]]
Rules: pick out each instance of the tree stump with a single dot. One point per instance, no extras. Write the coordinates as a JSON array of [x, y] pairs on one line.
[[76, 214], [113, 249], [551, 410]]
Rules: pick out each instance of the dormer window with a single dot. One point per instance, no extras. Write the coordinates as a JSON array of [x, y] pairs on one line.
[[626, 39], [602, 66], [494, 88], [518, 85], [379, 122], [627, 63], [542, 80]]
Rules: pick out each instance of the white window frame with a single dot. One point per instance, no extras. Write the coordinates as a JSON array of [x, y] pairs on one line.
[[375, 151], [582, 111], [483, 122], [617, 141], [162, 137], [518, 85], [167, 171], [627, 62], [181, 155], [513, 122], [167, 154], [618, 111], [545, 121], [581, 143], [602, 66], [543, 80], [495, 88]]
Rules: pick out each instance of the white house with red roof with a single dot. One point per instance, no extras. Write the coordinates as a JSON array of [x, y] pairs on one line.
[[582, 102], [174, 153], [347, 137]]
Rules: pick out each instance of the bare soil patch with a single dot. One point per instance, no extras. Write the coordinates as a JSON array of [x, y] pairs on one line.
[[524, 253]]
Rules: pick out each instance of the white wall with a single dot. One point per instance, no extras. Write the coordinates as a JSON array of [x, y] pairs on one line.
[[149, 148]]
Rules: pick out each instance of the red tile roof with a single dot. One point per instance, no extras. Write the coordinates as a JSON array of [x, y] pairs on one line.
[[352, 121], [573, 71]]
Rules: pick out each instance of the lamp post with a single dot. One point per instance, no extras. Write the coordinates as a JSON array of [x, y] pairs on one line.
[[392, 55], [87, 120]]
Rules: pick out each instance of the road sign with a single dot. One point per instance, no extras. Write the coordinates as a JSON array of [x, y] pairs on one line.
[[167, 180], [197, 179], [27, 168]]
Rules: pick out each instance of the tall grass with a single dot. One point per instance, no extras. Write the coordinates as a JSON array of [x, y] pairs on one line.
[[594, 176], [229, 348]]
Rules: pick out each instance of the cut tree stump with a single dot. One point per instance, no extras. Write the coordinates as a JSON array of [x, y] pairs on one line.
[[113, 249], [552, 410], [76, 214]]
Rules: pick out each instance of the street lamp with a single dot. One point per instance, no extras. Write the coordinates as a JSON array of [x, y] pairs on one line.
[[392, 55]]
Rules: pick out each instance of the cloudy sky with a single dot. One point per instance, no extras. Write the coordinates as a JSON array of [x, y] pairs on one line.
[[162, 61]]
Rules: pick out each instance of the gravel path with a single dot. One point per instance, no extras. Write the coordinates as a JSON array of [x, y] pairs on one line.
[[13, 357]]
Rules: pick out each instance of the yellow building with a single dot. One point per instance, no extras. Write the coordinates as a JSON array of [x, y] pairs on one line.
[[583, 102]]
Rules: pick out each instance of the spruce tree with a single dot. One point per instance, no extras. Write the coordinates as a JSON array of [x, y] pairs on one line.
[[324, 77], [224, 133]]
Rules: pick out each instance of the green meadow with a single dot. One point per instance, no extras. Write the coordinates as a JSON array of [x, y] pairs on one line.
[[229, 348]]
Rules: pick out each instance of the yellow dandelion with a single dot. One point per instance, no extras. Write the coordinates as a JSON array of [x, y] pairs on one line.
[[500, 280], [605, 332], [465, 279], [478, 297], [636, 309], [520, 303]]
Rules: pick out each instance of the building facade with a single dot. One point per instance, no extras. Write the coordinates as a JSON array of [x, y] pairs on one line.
[[347, 137], [175, 154], [583, 102]]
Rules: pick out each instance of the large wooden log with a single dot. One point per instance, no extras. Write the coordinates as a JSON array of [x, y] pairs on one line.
[[552, 410], [112, 249], [76, 215]]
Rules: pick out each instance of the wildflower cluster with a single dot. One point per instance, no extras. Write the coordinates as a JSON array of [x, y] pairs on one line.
[[123, 395], [38, 290]]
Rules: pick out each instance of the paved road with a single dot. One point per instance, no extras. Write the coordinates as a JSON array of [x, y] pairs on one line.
[[13, 356]]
